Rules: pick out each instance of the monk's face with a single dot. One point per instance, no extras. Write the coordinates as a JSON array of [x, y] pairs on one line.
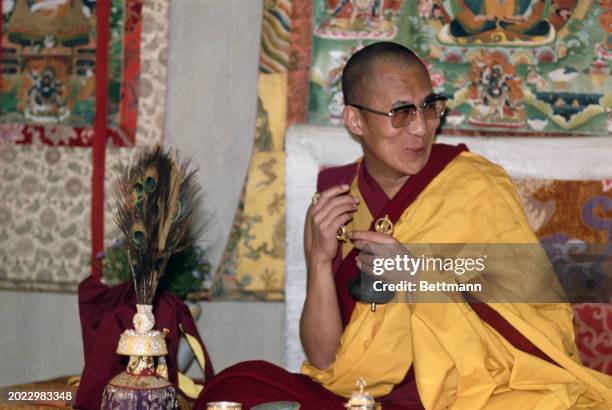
[[395, 152]]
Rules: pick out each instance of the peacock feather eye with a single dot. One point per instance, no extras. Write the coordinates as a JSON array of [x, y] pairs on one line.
[[150, 184], [138, 234], [138, 238], [150, 180], [139, 189]]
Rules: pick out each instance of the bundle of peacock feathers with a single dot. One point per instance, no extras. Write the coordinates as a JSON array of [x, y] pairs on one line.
[[156, 201]]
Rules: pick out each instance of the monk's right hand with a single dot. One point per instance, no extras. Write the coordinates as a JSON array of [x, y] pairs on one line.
[[333, 209]]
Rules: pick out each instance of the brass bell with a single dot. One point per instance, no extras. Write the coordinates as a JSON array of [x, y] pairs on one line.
[[361, 288]]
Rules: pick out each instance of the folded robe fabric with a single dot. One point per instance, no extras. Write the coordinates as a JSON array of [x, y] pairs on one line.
[[105, 312]]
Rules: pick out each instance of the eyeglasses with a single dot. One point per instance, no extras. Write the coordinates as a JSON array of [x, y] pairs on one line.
[[404, 115]]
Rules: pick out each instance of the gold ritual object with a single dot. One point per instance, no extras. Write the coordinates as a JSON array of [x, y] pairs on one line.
[[362, 400], [384, 225]]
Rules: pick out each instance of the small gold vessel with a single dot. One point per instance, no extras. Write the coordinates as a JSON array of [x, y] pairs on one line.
[[362, 400]]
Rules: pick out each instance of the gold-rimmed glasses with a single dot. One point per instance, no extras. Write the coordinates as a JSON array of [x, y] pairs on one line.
[[405, 114]]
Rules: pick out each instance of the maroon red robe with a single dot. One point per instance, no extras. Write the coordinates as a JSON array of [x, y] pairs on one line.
[[256, 382], [105, 313]]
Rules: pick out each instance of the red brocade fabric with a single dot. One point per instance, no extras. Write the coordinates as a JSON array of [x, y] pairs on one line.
[[105, 312]]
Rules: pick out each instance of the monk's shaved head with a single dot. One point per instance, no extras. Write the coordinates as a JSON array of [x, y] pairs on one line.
[[359, 72]]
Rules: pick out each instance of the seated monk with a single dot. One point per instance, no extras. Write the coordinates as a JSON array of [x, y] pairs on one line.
[[473, 18], [423, 355]]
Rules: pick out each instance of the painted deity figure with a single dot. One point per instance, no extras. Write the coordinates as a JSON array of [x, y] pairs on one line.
[[359, 19], [363, 12], [488, 20], [46, 90], [44, 101], [495, 92]]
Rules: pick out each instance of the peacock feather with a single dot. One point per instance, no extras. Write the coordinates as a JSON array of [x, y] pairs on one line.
[[156, 201]]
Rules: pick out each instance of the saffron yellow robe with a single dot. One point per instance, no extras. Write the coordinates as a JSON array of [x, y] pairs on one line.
[[460, 362]]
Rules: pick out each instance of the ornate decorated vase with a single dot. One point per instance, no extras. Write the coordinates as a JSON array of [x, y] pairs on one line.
[[144, 384]]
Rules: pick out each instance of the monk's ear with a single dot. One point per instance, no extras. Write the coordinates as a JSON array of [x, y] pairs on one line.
[[353, 120]]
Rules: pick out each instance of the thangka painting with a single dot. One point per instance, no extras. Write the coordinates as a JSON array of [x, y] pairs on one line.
[[48, 76], [508, 67]]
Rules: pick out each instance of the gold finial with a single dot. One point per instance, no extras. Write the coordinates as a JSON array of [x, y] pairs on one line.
[[384, 225], [361, 383]]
